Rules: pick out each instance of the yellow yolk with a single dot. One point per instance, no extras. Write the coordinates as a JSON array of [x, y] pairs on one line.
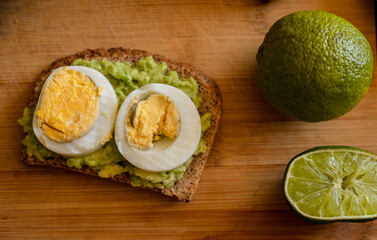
[[157, 115], [69, 106]]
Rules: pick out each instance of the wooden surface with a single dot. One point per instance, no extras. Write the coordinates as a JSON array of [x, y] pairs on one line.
[[240, 194]]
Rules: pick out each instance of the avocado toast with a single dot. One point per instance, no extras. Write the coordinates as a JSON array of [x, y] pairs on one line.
[[182, 189]]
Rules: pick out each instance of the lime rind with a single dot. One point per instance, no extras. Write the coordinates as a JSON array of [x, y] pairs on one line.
[[333, 183]]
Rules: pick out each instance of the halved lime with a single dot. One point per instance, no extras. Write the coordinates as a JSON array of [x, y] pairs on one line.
[[333, 183]]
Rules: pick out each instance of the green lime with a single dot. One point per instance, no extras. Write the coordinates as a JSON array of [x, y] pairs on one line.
[[333, 183], [314, 66]]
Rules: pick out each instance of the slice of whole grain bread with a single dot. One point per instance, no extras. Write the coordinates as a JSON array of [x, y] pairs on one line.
[[208, 90]]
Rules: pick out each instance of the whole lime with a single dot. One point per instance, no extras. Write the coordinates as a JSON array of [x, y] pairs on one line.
[[314, 66]]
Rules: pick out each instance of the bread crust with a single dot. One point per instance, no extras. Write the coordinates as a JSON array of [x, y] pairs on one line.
[[183, 189]]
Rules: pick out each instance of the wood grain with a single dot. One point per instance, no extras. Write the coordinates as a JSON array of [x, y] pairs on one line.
[[239, 196]]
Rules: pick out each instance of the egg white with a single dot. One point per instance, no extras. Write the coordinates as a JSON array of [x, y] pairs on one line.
[[165, 154], [103, 127]]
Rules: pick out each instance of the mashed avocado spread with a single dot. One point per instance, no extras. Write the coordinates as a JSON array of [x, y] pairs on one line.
[[107, 160]]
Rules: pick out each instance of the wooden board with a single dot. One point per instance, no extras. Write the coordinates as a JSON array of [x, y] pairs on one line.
[[240, 194]]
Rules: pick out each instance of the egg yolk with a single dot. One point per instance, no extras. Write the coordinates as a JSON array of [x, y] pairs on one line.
[[69, 106], [153, 117]]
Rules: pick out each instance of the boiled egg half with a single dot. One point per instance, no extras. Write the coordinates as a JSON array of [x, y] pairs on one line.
[[76, 111], [158, 128]]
